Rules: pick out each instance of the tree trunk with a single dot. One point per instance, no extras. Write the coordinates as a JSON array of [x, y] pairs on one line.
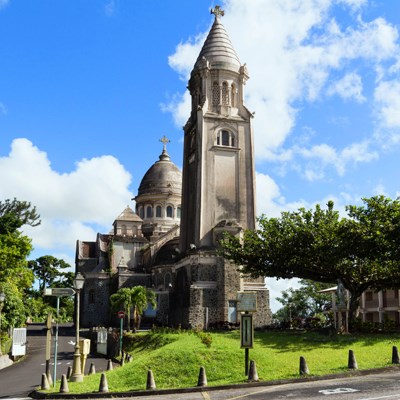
[[354, 303]]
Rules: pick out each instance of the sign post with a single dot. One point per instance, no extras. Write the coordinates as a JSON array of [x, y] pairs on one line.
[[57, 292], [121, 315], [246, 303]]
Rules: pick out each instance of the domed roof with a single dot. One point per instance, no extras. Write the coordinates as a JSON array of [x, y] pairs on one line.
[[217, 48], [162, 177]]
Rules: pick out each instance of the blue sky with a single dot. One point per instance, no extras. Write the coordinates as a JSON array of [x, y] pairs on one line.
[[87, 89]]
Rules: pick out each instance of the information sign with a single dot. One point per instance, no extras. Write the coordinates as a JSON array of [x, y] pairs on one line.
[[247, 301], [59, 292]]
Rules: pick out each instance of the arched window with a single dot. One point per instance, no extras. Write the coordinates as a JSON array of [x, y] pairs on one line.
[[225, 94], [169, 212], [123, 229], [216, 94], [141, 212], [149, 212], [178, 212], [225, 138], [158, 211]]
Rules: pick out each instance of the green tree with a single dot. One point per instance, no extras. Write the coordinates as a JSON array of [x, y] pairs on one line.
[[15, 276], [14, 214], [137, 297], [48, 270], [361, 251], [304, 302]]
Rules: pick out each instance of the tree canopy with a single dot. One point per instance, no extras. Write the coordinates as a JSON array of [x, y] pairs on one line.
[[47, 270], [361, 250], [14, 214], [15, 276]]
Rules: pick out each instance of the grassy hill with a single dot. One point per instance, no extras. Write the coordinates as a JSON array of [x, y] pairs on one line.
[[176, 357]]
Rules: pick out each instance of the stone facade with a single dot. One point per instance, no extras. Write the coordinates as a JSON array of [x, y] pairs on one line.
[[170, 244]]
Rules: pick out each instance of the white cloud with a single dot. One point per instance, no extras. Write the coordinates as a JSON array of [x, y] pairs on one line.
[[3, 3], [109, 8], [388, 102], [3, 109], [72, 204], [349, 87]]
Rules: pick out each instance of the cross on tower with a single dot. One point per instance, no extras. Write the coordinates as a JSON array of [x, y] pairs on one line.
[[164, 140], [217, 11]]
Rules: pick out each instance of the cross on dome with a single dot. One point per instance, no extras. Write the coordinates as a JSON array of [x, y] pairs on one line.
[[164, 140], [217, 11]]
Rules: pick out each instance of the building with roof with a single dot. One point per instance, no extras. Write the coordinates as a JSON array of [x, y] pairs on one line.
[[170, 242]]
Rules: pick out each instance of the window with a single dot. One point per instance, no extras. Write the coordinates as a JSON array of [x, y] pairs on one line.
[[369, 296], [225, 138], [216, 94], [169, 212], [225, 94], [141, 212], [91, 296], [149, 212], [158, 211], [178, 212]]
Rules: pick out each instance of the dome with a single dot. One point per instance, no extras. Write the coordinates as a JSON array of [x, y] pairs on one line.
[[217, 48], [163, 177]]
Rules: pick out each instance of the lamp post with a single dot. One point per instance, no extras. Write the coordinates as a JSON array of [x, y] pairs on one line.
[[77, 375], [2, 298]]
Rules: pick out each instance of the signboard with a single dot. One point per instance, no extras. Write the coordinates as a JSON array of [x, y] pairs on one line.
[[59, 292], [121, 314], [102, 341], [19, 342], [247, 301], [246, 331]]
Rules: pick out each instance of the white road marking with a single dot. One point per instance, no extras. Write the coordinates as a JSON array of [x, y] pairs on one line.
[[382, 397], [337, 391]]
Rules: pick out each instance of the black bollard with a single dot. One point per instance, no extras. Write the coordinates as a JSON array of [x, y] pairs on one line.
[[352, 364], [253, 375], [202, 381], [64, 384], [45, 382], [69, 372], [103, 388], [395, 356], [303, 366], [150, 383], [92, 369]]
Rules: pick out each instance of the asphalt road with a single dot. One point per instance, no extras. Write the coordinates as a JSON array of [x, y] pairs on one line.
[[381, 386], [21, 378]]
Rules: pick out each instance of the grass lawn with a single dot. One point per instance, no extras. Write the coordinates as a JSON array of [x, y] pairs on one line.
[[175, 358]]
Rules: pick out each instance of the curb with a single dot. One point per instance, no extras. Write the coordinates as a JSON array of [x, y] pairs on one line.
[[141, 393]]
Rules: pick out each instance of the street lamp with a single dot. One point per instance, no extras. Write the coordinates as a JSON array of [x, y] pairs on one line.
[[77, 375], [2, 298]]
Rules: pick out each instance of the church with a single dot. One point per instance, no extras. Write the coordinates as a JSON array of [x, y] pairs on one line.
[[169, 241]]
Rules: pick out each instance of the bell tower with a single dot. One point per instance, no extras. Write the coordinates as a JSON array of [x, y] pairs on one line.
[[218, 168]]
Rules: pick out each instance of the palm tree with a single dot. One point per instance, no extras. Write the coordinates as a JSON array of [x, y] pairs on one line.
[[141, 298], [122, 299], [137, 297]]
